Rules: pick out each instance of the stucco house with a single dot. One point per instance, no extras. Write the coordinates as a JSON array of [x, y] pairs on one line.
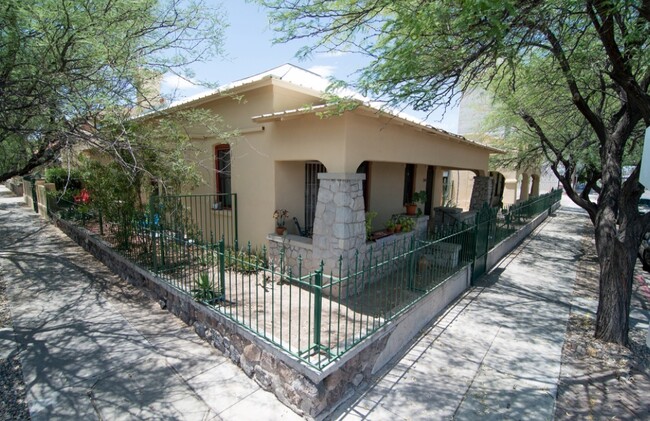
[[294, 151]]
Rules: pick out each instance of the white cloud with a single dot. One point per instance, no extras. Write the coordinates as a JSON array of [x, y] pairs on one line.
[[329, 54], [175, 82], [324, 71], [174, 87]]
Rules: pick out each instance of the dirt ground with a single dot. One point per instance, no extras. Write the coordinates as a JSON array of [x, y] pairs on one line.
[[601, 381]]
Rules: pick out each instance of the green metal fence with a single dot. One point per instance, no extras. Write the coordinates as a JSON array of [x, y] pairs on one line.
[[316, 316]]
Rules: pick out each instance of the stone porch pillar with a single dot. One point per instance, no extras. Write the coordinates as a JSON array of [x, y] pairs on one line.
[[339, 224], [481, 192]]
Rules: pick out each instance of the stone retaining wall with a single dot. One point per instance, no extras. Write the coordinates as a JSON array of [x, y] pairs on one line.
[[307, 391], [298, 252]]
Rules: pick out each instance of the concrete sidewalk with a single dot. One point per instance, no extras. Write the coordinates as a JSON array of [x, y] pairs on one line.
[[94, 348], [496, 353]]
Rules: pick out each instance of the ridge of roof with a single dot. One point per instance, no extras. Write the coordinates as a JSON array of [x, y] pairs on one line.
[[308, 79], [286, 72]]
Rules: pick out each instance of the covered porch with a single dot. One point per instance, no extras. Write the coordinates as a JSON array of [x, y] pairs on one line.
[[345, 176]]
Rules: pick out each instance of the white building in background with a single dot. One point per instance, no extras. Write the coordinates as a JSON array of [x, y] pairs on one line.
[[520, 184]]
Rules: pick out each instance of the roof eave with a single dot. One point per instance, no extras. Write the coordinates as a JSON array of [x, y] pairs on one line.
[[296, 113]]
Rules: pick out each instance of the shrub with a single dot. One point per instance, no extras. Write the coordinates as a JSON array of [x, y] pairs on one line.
[[64, 178]]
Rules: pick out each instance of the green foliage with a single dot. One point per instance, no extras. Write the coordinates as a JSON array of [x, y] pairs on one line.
[[420, 197], [64, 178], [74, 72], [246, 261], [115, 195], [370, 217], [407, 223], [204, 291]]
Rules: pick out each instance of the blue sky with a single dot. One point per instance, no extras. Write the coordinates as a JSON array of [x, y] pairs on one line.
[[249, 50]]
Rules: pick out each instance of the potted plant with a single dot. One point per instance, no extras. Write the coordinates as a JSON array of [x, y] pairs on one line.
[[397, 220], [412, 206], [280, 216], [408, 224], [390, 226]]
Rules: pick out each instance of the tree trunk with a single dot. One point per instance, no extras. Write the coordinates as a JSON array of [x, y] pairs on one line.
[[616, 275]]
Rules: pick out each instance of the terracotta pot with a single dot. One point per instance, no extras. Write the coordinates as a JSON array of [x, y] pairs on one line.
[[411, 209], [280, 230], [398, 227]]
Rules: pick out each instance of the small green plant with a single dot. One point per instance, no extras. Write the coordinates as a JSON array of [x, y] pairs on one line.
[[412, 206], [204, 290], [390, 225], [370, 216], [418, 197], [245, 261], [408, 224]]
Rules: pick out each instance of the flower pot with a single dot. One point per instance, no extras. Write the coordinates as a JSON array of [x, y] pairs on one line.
[[280, 230], [398, 227], [411, 209]]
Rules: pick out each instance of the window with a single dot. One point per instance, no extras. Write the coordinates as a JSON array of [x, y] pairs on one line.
[[223, 175], [312, 168]]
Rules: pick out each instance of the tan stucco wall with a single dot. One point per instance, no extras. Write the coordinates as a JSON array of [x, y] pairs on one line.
[[309, 138], [463, 185], [290, 192], [382, 139], [386, 191]]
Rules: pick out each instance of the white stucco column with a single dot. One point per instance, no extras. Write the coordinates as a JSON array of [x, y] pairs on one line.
[[525, 187], [534, 191], [339, 224], [436, 200]]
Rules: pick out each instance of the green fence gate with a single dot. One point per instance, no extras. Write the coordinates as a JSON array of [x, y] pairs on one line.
[[483, 229]]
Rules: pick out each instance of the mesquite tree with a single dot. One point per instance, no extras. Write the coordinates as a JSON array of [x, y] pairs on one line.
[[74, 72], [596, 63]]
